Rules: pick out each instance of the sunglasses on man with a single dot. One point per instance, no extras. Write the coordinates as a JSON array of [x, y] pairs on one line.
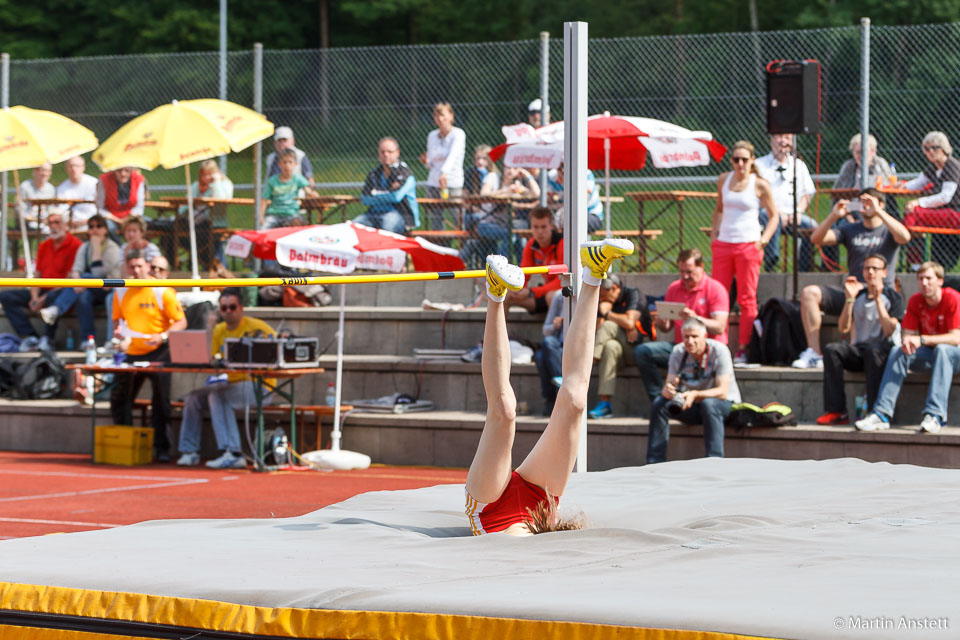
[[229, 307]]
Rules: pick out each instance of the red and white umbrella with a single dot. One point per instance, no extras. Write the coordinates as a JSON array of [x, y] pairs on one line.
[[342, 248]]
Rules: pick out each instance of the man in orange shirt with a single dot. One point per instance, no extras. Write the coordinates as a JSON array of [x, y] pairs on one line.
[[142, 316], [545, 247]]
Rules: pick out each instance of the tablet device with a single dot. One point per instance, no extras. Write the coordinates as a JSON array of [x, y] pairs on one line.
[[670, 310]]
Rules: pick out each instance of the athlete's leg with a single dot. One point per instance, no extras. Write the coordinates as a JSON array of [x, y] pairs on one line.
[[550, 462], [490, 471]]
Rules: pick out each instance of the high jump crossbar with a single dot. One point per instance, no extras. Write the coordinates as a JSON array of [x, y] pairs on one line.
[[116, 283]]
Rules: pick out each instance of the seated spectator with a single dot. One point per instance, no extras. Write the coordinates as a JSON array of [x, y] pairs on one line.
[[701, 380], [55, 256], [210, 183], [488, 222], [549, 357], [78, 186], [594, 204], [283, 140], [281, 204], [877, 232], [99, 257], [520, 184], [931, 335], [222, 394], [545, 247], [616, 334], [871, 316], [706, 300], [535, 112], [942, 207], [142, 318], [390, 192], [120, 194], [134, 231], [159, 268], [37, 187]]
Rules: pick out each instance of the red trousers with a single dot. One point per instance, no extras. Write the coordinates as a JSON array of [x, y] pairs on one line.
[[743, 260]]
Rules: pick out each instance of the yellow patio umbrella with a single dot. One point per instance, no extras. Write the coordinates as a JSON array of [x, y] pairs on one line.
[[30, 137], [179, 133]]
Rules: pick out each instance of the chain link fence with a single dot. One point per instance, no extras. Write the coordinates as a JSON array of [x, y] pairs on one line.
[[340, 102]]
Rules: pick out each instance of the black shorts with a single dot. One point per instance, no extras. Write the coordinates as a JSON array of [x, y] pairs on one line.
[[540, 305], [833, 300]]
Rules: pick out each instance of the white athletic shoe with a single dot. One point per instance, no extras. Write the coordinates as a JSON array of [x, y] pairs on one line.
[[189, 459], [501, 275], [930, 424], [49, 314], [872, 422], [809, 359], [228, 461]]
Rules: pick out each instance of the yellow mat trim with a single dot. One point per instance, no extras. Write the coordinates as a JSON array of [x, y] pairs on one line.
[[307, 623], [34, 633]]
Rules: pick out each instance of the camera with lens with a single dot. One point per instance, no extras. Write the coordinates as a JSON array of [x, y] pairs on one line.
[[675, 404]]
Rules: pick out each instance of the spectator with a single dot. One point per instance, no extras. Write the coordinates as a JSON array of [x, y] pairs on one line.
[[877, 232], [98, 257], [700, 378], [55, 256], [931, 335], [736, 237], [594, 204], [777, 169], [535, 113], [545, 247], [942, 207], [210, 183], [390, 191], [705, 299], [488, 222], [142, 317], [134, 231], [120, 194], [283, 140], [616, 334], [281, 206], [222, 394], [78, 186], [871, 314], [37, 187], [159, 268], [549, 357], [444, 157]]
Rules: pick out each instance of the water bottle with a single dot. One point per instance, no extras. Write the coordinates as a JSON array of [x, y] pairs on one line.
[[444, 194], [69, 343], [860, 407], [331, 395], [90, 350], [893, 174]]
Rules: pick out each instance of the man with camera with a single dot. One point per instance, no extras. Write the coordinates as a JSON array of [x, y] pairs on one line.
[[700, 388]]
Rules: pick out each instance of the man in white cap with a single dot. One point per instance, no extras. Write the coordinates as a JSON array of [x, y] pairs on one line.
[[534, 110], [283, 139]]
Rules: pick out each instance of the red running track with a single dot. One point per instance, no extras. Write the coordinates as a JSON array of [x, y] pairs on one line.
[[43, 493]]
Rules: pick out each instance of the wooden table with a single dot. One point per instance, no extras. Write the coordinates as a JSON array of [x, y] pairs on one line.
[[671, 199], [259, 377], [324, 203]]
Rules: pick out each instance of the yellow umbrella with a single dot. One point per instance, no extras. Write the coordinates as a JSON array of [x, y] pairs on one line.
[[30, 137], [179, 133]]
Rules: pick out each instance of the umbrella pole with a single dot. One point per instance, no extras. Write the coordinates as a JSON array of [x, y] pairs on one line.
[[23, 224], [336, 435], [193, 231], [606, 170]]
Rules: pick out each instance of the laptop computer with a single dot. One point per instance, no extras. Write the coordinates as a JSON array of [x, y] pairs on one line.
[[189, 347]]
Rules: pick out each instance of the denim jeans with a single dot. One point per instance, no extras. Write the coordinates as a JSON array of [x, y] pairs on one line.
[[83, 303], [221, 398], [710, 412], [771, 254], [15, 303], [650, 358], [490, 238], [386, 220], [549, 359], [942, 361]]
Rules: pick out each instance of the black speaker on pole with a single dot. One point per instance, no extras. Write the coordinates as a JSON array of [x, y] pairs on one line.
[[793, 97]]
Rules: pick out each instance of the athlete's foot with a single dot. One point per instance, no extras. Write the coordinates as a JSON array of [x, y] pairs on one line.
[[501, 276], [597, 256]]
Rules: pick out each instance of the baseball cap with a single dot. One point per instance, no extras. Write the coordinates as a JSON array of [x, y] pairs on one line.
[[282, 133], [535, 105]]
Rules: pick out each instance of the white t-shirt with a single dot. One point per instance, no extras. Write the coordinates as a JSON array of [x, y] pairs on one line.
[[781, 182], [740, 221], [28, 191], [445, 156], [86, 190]]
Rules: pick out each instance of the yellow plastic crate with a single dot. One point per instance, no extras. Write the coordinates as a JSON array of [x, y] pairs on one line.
[[118, 444]]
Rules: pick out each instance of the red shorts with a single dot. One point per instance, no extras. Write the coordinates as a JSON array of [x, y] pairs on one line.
[[510, 508]]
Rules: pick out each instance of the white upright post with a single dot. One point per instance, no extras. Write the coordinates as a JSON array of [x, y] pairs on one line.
[[223, 69], [864, 101], [4, 103], [258, 107], [544, 102], [575, 172]]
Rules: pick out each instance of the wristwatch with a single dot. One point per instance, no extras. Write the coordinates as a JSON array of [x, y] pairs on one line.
[[922, 343], [605, 314], [164, 336]]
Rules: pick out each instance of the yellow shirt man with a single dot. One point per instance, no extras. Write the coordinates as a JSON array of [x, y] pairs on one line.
[[248, 328], [145, 312]]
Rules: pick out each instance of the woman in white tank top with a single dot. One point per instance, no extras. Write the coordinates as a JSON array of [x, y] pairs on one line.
[[736, 237]]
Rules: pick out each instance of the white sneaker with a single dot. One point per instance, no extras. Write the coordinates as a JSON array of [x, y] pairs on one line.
[[49, 314], [872, 422], [189, 459], [809, 359], [228, 461], [44, 344], [930, 424]]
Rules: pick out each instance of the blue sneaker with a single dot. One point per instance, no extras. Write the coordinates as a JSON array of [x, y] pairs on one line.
[[473, 355], [601, 411], [557, 381]]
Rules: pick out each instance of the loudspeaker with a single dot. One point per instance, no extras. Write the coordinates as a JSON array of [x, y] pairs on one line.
[[793, 97]]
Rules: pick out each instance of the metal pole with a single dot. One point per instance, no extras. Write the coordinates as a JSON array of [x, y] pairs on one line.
[[544, 104], [258, 107], [575, 173], [4, 103], [223, 68], [796, 223], [864, 101]]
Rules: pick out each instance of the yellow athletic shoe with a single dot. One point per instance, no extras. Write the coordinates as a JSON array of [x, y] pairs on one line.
[[501, 275], [598, 255]]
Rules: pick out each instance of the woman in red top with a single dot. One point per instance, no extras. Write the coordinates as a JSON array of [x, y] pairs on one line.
[[523, 502]]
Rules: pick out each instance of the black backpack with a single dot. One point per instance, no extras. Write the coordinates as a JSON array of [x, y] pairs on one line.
[[8, 377], [744, 415], [781, 338], [41, 378]]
